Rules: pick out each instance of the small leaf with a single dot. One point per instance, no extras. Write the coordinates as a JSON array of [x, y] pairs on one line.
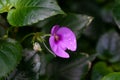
[[112, 76], [108, 47], [27, 12], [10, 55], [99, 70]]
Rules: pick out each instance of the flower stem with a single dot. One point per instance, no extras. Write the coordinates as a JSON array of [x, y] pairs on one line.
[[48, 48], [27, 36], [46, 35]]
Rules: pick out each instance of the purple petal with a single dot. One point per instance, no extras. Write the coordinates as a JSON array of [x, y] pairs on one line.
[[61, 53], [62, 45], [68, 38], [53, 45], [54, 29], [57, 48]]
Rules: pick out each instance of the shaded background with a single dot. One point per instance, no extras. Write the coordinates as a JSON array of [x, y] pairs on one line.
[[98, 39]]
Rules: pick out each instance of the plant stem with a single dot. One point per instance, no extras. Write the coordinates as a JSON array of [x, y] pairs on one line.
[[27, 36], [48, 48], [46, 35]]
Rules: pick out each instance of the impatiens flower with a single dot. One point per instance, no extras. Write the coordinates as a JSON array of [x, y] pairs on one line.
[[61, 39]]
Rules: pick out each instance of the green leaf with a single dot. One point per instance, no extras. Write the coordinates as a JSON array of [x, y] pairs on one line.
[[112, 76], [76, 22], [116, 12], [116, 66], [5, 5], [108, 47], [100, 69], [10, 55], [74, 68], [27, 12], [33, 65]]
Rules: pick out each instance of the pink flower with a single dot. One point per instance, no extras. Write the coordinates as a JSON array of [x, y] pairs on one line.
[[61, 39]]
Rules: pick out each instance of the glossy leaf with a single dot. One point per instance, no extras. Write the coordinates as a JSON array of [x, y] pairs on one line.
[[76, 22], [27, 12], [99, 70], [112, 76], [10, 55], [108, 47]]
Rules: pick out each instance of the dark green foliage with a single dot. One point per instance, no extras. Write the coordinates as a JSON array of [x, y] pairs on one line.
[[10, 55], [95, 23], [99, 70], [112, 76]]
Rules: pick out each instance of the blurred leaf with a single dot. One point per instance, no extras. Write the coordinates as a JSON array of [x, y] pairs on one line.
[[27, 12], [76, 22], [10, 55], [3, 26], [112, 76], [116, 12], [108, 47], [74, 68], [32, 66], [99, 70], [116, 66], [5, 5], [117, 1], [2, 31]]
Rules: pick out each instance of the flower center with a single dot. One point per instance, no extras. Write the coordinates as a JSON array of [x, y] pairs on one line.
[[56, 37]]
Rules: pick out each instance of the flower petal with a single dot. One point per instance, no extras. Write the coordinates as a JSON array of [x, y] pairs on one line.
[[52, 43], [57, 49], [68, 38], [61, 53], [54, 29]]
